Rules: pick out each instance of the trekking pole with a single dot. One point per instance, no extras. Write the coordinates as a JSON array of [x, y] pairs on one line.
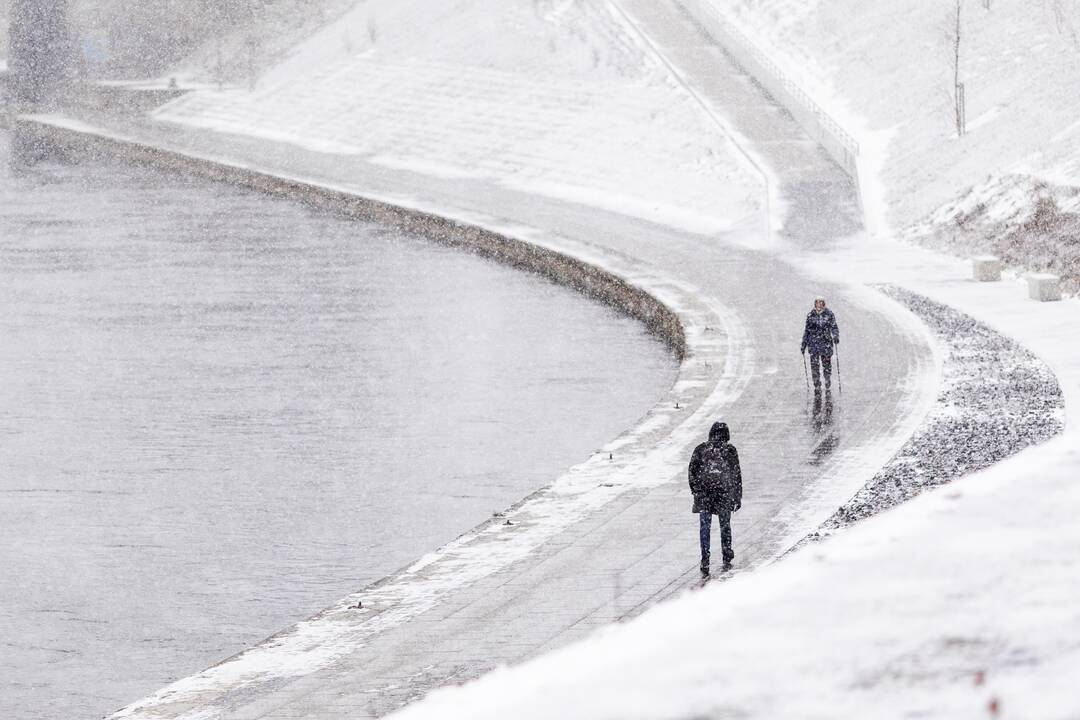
[[805, 373], [839, 382]]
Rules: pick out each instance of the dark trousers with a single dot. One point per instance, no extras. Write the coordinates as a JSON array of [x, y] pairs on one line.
[[825, 363], [705, 520]]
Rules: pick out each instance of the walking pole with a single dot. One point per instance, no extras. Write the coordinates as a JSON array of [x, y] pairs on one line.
[[839, 382], [805, 373]]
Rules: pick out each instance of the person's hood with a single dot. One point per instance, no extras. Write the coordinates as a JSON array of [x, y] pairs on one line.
[[719, 433]]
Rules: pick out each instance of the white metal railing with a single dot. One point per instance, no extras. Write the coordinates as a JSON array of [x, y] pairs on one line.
[[844, 148], [797, 92]]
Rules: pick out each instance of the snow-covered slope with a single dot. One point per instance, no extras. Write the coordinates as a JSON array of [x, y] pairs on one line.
[[885, 71], [557, 98]]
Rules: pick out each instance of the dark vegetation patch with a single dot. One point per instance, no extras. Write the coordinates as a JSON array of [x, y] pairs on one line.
[[1036, 236]]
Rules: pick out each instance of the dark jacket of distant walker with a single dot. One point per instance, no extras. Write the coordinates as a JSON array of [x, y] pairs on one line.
[[821, 333], [715, 501]]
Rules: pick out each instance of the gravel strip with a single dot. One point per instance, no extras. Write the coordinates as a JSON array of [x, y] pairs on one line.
[[996, 399]]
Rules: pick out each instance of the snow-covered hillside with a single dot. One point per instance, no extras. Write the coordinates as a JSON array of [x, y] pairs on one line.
[[557, 98], [886, 73], [553, 97]]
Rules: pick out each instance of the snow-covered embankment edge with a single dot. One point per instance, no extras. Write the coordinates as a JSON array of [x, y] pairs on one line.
[[716, 361]]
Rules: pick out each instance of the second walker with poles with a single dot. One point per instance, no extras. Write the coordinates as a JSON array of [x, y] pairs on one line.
[[821, 336]]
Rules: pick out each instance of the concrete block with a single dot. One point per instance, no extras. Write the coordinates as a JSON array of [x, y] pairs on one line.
[[1044, 287], [986, 268]]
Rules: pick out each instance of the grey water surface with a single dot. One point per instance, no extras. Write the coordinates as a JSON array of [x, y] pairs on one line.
[[221, 412]]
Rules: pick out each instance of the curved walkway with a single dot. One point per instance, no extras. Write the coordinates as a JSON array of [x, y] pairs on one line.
[[605, 541]]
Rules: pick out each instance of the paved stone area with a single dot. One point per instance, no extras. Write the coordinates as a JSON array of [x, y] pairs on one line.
[[640, 547]]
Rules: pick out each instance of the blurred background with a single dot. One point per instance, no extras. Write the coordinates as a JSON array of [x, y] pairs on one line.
[[208, 40]]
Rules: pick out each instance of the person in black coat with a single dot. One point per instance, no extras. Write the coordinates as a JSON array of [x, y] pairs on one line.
[[820, 335], [716, 484]]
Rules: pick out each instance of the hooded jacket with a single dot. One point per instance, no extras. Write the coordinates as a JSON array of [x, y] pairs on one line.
[[717, 502], [821, 332]]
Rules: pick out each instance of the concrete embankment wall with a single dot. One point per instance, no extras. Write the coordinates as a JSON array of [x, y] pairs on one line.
[[591, 281]]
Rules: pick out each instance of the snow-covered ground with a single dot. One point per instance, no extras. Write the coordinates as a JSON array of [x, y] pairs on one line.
[[885, 72], [557, 98]]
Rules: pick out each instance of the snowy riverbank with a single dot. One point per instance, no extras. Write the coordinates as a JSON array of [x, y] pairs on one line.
[[957, 603], [640, 474]]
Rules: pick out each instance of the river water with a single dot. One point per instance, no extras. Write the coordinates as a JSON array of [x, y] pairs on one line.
[[221, 412]]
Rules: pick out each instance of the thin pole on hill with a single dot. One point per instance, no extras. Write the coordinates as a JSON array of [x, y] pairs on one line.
[[958, 87]]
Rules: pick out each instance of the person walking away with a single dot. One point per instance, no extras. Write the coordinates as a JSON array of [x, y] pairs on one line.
[[820, 336], [716, 484]]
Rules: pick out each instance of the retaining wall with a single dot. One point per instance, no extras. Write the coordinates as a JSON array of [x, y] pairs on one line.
[[589, 280]]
